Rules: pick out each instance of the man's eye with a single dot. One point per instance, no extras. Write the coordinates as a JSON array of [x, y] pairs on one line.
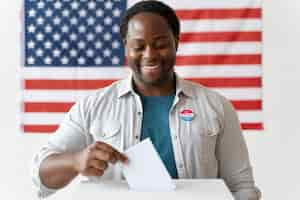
[[138, 48]]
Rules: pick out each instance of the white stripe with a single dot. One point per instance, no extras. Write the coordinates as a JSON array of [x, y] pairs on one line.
[[208, 48], [219, 71], [56, 118], [250, 116], [220, 25], [122, 72], [192, 4], [75, 72], [74, 95]]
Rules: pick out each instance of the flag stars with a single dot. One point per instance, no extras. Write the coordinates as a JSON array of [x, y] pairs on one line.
[[108, 5], [81, 60], [41, 4], [48, 13], [64, 29], [40, 21], [31, 13], [39, 52], [56, 36], [73, 53], [98, 61], [99, 13], [73, 37], [64, 60], [81, 44], [56, 53], [48, 28], [106, 52], [30, 60], [31, 28], [91, 21], [48, 60], [81, 29], [57, 5], [98, 45], [66, 13], [82, 13], [107, 36], [115, 60], [91, 5], [73, 21], [30, 44], [98, 29], [56, 20], [65, 44], [48, 45], [74, 5], [116, 28], [115, 44], [116, 12], [90, 53], [40, 36], [107, 20]]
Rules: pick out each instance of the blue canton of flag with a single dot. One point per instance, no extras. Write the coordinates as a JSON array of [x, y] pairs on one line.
[[73, 33]]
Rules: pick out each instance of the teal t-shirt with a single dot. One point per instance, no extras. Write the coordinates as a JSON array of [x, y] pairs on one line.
[[155, 126]]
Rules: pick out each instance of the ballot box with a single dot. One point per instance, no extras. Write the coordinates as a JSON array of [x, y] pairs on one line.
[[186, 189]]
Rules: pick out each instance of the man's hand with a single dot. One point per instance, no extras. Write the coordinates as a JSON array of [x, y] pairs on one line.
[[93, 160]]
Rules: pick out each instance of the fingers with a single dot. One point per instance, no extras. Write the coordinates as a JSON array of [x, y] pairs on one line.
[[93, 172], [112, 155]]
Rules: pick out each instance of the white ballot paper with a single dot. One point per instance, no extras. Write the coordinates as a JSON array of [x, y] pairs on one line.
[[145, 170]]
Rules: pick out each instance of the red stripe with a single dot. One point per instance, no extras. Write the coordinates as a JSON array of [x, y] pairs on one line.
[[241, 13], [249, 36], [247, 104], [39, 128], [65, 106], [229, 82], [218, 60], [47, 106], [95, 84], [252, 126], [52, 128]]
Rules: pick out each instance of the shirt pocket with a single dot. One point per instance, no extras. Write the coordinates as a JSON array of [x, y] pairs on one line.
[[205, 141], [108, 132]]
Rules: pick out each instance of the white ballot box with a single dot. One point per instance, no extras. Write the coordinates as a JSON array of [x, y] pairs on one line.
[[186, 189]]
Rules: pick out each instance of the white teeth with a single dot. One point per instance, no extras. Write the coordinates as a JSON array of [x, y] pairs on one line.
[[151, 67]]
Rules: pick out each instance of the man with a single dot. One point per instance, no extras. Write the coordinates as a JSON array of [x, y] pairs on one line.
[[195, 130]]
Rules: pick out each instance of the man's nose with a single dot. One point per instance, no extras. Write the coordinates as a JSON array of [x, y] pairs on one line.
[[150, 52]]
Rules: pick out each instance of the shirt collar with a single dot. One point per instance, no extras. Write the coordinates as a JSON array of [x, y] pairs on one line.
[[182, 87]]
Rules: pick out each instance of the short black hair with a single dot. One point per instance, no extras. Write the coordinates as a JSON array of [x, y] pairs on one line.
[[155, 7]]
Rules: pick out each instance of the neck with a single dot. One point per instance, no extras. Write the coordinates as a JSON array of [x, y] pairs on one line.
[[165, 89]]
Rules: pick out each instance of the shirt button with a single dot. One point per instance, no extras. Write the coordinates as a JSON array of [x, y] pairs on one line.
[[175, 137], [136, 137], [139, 113]]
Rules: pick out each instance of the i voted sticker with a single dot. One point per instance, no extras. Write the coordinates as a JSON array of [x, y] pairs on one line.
[[187, 115]]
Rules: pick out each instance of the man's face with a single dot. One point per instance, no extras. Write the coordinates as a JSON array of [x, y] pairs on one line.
[[150, 49]]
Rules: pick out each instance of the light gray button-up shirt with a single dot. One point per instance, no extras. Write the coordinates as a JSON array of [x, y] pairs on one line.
[[211, 145]]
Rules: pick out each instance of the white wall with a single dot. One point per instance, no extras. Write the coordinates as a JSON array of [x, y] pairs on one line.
[[273, 152]]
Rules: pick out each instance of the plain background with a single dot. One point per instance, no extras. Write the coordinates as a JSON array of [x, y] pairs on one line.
[[273, 152]]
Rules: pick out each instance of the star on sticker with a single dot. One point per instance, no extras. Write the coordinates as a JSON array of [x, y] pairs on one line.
[[64, 28], [73, 20], [64, 44], [73, 36], [81, 29], [90, 53], [115, 44], [73, 53], [91, 21], [66, 13], [91, 5], [107, 36], [115, 60], [40, 36], [41, 4], [98, 44], [56, 53], [82, 13], [40, 20], [116, 12], [56, 20], [98, 29], [48, 28], [90, 36], [56, 36], [81, 60], [81, 45], [116, 28], [99, 13], [106, 53], [107, 20]]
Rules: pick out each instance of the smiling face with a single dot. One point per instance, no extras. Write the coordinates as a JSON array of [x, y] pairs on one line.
[[150, 50]]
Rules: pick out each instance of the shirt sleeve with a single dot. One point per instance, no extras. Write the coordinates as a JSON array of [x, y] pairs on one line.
[[233, 158], [69, 137]]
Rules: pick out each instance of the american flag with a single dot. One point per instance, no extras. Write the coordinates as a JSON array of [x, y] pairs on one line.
[[73, 47]]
